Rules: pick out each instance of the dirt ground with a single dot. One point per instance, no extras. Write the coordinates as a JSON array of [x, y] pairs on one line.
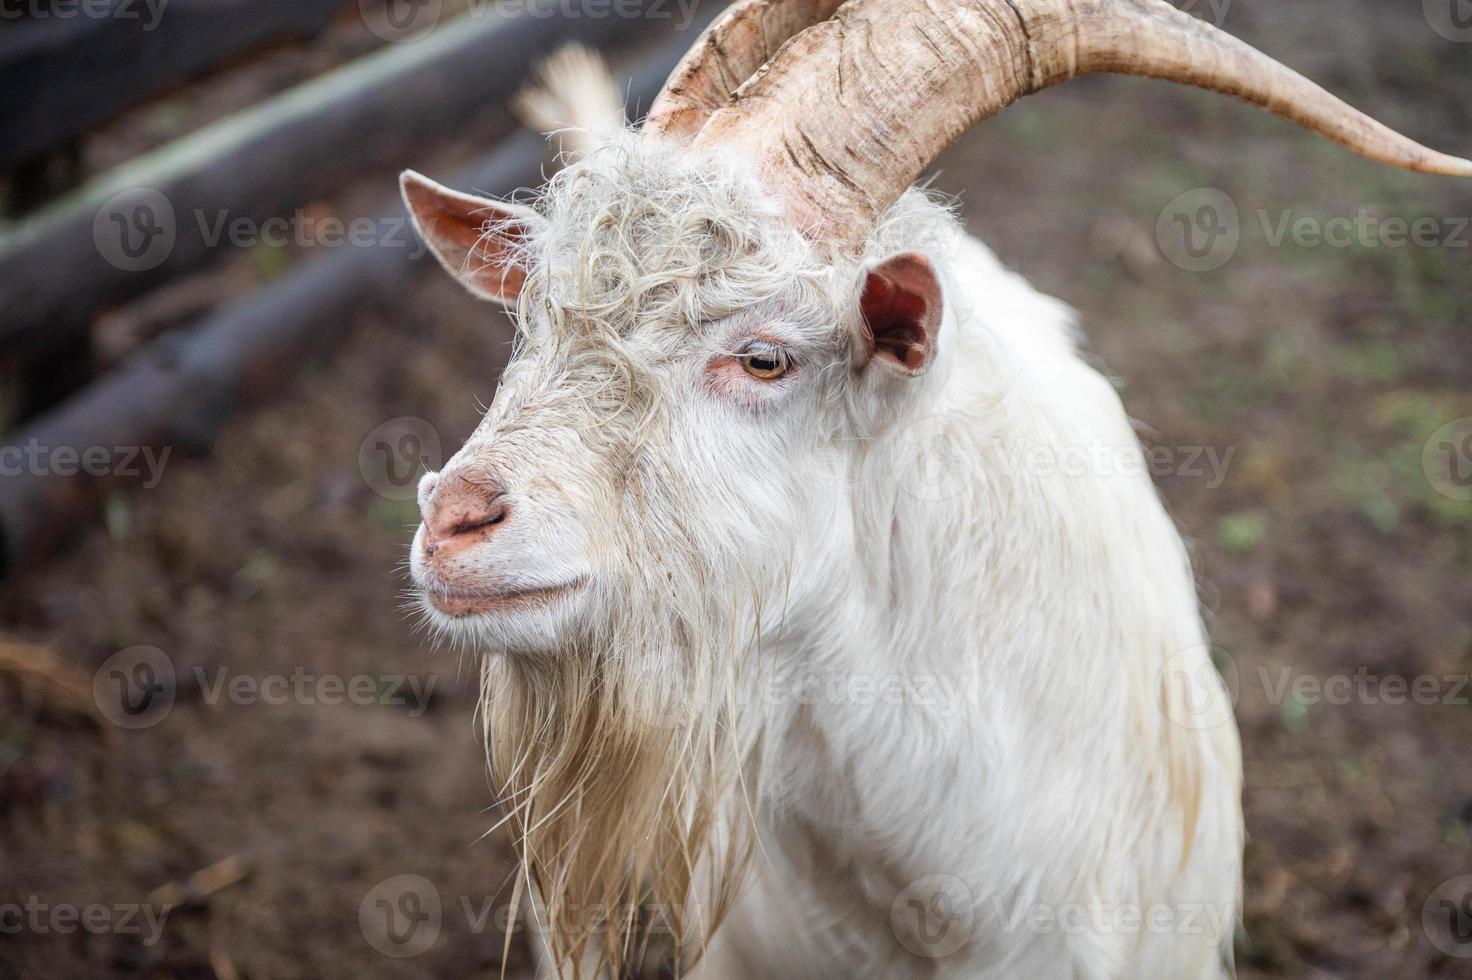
[[1291, 392]]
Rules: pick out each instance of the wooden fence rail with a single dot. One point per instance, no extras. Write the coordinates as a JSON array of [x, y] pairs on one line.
[[178, 390], [375, 115], [76, 66]]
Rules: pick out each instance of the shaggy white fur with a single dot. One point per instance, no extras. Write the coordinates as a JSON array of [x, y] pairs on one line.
[[868, 667]]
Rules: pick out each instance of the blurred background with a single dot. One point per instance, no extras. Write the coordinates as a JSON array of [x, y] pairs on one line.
[[224, 750]]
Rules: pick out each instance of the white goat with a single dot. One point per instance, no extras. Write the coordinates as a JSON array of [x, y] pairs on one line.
[[751, 667]]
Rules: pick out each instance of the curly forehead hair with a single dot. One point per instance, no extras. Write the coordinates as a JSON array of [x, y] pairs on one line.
[[637, 234], [640, 234]]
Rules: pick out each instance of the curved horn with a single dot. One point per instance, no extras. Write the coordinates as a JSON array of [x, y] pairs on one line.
[[727, 54], [850, 112]]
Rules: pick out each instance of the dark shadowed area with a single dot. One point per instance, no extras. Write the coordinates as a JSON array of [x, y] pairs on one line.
[[1304, 382]]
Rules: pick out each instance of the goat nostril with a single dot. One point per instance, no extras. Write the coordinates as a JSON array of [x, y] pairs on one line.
[[496, 515], [457, 510], [477, 525]]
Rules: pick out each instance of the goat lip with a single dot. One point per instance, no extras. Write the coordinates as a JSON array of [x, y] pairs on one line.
[[456, 602]]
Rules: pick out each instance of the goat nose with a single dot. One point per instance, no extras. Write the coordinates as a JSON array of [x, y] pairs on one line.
[[427, 483], [459, 513]]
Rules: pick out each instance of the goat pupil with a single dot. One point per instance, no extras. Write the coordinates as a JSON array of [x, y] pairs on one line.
[[765, 363]]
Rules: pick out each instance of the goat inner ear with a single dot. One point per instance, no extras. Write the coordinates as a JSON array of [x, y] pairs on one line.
[[478, 241], [901, 310]]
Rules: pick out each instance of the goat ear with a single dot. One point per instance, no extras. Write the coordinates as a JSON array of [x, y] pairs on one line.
[[478, 241], [900, 314]]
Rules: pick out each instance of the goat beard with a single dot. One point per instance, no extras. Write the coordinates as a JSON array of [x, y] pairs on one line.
[[622, 764]]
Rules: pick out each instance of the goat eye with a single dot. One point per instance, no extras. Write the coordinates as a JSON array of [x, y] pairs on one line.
[[765, 362]]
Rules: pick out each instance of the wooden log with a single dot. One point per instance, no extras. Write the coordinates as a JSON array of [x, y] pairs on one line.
[[177, 390], [73, 66], [152, 219]]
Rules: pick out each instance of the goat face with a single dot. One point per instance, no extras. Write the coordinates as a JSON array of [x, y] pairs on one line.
[[671, 429], [665, 473]]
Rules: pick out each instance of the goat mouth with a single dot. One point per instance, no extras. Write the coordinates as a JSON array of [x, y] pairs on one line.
[[456, 602]]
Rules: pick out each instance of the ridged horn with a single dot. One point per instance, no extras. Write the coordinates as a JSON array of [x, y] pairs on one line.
[[729, 52], [846, 116]]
